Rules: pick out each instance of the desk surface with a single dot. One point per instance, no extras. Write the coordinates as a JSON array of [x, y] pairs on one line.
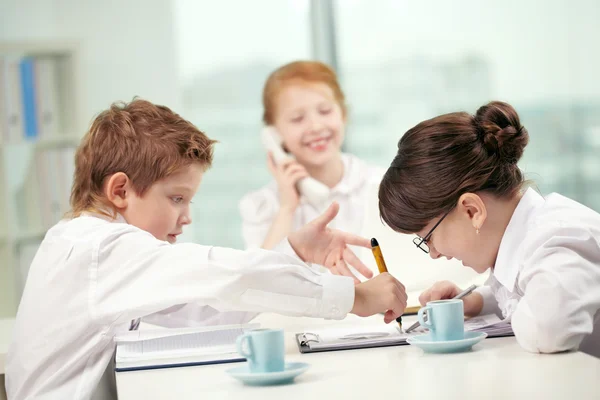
[[6, 327], [495, 368]]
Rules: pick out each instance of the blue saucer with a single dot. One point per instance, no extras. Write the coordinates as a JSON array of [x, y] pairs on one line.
[[291, 371], [450, 346]]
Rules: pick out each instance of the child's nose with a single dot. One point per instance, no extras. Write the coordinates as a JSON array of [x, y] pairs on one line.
[[185, 219], [315, 123], [433, 253]]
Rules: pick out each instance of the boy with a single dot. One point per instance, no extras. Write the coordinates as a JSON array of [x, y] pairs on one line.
[[115, 260]]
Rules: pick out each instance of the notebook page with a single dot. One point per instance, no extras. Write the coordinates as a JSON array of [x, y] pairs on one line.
[[490, 323], [144, 334], [189, 344]]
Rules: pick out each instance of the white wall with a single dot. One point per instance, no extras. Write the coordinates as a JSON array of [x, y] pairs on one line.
[[127, 47]]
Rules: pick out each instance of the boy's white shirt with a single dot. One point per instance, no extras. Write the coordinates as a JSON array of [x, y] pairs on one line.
[[547, 275], [91, 277], [259, 208]]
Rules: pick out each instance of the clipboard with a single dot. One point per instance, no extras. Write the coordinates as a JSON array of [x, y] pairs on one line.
[[303, 339], [333, 339]]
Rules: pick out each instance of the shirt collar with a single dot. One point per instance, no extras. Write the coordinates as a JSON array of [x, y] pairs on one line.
[[507, 265], [354, 176], [119, 218]]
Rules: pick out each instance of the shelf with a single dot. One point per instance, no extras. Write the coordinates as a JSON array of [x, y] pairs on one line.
[[60, 141], [47, 143], [55, 48]]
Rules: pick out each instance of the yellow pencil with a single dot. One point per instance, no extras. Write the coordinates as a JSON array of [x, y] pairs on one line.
[[381, 266]]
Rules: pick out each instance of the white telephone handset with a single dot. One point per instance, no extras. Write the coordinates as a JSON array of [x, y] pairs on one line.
[[315, 192]]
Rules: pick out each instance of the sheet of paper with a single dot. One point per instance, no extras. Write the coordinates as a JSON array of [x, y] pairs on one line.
[[218, 340], [390, 334]]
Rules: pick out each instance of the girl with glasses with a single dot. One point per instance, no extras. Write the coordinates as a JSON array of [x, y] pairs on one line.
[[455, 183]]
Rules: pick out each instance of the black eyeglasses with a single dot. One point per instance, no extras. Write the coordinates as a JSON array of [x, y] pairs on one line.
[[421, 242]]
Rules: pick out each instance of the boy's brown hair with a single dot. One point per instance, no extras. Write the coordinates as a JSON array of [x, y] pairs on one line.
[[145, 141]]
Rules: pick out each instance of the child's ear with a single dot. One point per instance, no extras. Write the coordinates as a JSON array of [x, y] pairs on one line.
[[474, 208], [117, 188]]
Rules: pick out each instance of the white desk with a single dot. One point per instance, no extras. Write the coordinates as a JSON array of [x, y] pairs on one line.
[[6, 327], [494, 369]]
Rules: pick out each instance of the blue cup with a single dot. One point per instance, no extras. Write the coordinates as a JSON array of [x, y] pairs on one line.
[[264, 349], [445, 320]]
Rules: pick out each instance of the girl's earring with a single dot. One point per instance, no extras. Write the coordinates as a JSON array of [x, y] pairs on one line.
[[477, 231]]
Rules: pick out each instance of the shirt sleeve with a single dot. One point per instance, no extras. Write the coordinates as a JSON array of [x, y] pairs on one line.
[[560, 281], [133, 275], [258, 210], [193, 314], [490, 304]]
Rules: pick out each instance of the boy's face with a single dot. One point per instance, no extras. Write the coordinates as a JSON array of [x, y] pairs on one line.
[[165, 208]]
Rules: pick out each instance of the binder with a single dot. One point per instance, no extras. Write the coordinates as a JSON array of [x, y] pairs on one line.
[[180, 347], [362, 337]]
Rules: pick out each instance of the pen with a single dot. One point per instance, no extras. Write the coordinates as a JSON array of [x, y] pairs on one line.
[[381, 267], [457, 297]]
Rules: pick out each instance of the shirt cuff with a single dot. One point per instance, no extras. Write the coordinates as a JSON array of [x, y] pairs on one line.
[[338, 296], [490, 304]]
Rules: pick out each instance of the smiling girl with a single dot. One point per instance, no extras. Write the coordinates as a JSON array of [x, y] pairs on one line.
[[305, 106]]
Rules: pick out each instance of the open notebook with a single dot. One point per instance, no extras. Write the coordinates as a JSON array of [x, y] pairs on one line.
[[415, 269], [168, 348], [381, 335]]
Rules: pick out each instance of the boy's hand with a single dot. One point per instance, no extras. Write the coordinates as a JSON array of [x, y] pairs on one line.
[[473, 303], [381, 294], [316, 243]]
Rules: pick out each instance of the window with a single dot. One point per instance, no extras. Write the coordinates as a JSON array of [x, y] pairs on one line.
[[226, 50], [402, 62]]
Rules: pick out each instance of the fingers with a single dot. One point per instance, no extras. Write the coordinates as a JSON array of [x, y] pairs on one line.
[[283, 165], [388, 316], [322, 220], [355, 240], [293, 168], [294, 173], [393, 295], [271, 163], [398, 305], [353, 260], [287, 162], [401, 300], [342, 267], [424, 297], [439, 291]]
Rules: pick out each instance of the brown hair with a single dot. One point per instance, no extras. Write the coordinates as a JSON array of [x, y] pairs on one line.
[[442, 158], [299, 71], [145, 141]]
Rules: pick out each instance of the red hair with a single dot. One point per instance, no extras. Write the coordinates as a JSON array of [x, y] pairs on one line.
[[299, 71]]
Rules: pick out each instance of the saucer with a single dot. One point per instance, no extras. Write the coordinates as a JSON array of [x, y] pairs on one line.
[[291, 371], [449, 346]]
